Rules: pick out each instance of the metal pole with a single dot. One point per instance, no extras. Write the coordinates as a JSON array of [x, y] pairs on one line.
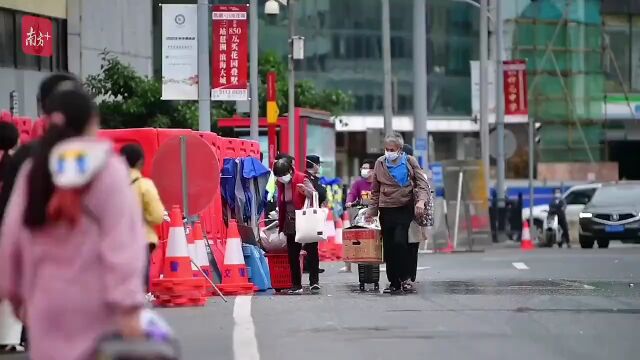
[[204, 77], [531, 165], [458, 201], [484, 90], [292, 82], [254, 130], [421, 136], [185, 177], [500, 158], [386, 59]]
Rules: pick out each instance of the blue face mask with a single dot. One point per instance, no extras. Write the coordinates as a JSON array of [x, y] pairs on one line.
[[391, 155]]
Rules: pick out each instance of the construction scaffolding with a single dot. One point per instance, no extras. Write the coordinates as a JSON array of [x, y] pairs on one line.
[[562, 41]]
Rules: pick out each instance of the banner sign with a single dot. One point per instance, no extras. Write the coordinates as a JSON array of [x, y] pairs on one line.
[[179, 52], [230, 53], [515, 88], [37, 36]]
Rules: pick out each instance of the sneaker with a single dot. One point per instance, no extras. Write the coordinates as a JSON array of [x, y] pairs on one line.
[[315, 288], [345, 270], [295, 291], [392, 290], [149, 297], [320, 271], [407, 287]]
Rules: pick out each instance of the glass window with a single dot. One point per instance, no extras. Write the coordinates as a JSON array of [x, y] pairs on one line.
[[579, 197], [618, 39], [623, 194], [635, 53], [7, 36]]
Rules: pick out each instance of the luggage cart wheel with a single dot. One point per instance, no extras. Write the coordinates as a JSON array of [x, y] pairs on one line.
[[362, 287], [376, 286]]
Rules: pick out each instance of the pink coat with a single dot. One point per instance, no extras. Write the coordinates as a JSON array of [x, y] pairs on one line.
[[73, 281]]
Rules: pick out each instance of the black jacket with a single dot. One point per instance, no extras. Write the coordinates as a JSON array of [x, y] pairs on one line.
[[11, 172], [321, 190]]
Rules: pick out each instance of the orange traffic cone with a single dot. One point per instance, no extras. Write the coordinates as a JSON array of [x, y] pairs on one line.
[[526, 244], [191, 246], [177, 263], [178, 287], [346, 222], [235, 279], [202, 258], [448, 249]]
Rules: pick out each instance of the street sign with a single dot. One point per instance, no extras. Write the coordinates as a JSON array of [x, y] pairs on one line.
[[510, 144], [421, 144], [230, 52], [438, 176], [37, 36]]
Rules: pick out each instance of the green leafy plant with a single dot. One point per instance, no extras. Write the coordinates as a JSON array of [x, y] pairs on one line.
[[128, 100]]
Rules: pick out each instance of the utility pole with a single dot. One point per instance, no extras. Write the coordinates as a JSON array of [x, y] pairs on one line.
[[292, 80], [254, 126], [204, 77], [386, 59], [500, 158], [420, 135], [484, 90]]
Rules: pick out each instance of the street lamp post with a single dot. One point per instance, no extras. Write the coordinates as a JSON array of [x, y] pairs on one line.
[[254, 127]]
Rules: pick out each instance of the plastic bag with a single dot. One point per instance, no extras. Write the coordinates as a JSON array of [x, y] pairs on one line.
[[271, 240]]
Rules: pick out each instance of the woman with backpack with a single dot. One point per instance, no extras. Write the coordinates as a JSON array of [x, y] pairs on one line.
[[73, 243], [399, 193]]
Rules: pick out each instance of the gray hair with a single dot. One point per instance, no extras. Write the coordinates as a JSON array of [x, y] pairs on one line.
[[395, 139]]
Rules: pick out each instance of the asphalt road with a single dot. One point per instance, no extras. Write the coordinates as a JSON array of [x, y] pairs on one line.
[[501, 304]]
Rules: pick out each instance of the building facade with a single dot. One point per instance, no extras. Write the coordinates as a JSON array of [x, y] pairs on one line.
[[82, 30]]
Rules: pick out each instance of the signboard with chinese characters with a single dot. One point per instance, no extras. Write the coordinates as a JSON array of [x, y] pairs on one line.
[[37, 36], [179, 52], [229, 55], [515, 90]]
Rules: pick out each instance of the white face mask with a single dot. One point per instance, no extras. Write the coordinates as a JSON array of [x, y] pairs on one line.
[[365, 172], [285, 179], [391, 155]]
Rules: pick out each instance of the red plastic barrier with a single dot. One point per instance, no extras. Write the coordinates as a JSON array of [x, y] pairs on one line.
[[5, 116], [146, 138]]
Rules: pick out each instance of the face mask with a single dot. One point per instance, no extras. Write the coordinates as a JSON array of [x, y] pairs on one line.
[[391, 155], [365, 172], [285, 179], [557, 195]]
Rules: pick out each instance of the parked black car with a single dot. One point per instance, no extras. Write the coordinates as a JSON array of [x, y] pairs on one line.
[[612, 214]]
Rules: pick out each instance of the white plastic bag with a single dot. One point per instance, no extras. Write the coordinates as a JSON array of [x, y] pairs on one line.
[[10, 326], [417, 233], [310, 222]]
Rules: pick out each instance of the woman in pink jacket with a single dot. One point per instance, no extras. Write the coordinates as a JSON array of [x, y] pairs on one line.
[[73, 244]]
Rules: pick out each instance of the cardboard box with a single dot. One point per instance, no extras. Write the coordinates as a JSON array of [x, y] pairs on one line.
[[362, 245]]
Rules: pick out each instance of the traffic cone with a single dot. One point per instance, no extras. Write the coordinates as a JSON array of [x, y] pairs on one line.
[[191, 246], [202, 258], [178, 287], [235, 279], [346, 222], [526, 244], [177, 262], [339, 232]]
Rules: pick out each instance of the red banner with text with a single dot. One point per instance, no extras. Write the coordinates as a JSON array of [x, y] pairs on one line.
[[515, 88], [229, 66]]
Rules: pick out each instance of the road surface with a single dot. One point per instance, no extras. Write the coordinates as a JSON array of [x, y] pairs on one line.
[[500, 304], [546, 304]]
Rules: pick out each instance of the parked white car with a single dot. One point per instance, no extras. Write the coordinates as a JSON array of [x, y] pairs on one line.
[[576, 198]]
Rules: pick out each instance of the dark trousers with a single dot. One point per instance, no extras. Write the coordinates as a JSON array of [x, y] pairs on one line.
[[293, 249], [562, 222], [148, 270], [413, 253], [394, 224]]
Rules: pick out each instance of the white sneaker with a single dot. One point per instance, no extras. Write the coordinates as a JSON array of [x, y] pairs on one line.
[[345, 270], [149, 297]]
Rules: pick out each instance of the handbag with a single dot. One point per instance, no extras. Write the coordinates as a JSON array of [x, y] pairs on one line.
[[310, 222]]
